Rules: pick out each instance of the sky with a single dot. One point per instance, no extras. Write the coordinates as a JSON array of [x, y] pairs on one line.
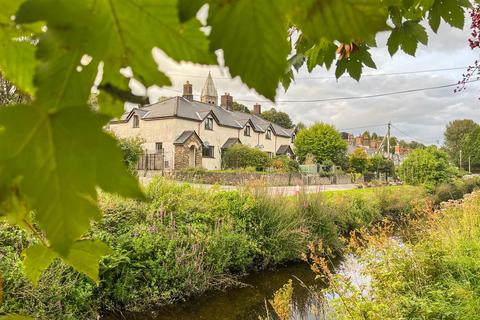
[[420, 116]]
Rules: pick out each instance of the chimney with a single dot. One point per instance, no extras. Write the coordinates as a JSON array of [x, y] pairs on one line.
[[226, 101], [188, 91], [257, 109]]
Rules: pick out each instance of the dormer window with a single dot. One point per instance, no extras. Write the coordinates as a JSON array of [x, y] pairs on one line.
[[268, 134], [136, 121], [293, 137], [209, 123], [246, 131]]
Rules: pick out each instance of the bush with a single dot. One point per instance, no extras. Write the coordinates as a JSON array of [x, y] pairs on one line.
[[132, 150], [429, 166], [242, 156], [184, 241], [285, 164], [435, 276]]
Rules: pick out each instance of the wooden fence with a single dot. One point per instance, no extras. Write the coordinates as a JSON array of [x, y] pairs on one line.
[[154, 161]]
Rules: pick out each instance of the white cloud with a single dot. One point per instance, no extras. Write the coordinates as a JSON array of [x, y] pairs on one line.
[[422, 115]]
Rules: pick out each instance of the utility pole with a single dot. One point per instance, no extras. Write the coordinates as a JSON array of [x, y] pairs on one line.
[[388, 140]]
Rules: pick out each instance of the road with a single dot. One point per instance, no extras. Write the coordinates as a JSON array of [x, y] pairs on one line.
[[274, 191]]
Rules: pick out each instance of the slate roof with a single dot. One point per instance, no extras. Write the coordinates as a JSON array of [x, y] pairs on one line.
[[184, 136], [198, 111], [230, 142], [284, 149]]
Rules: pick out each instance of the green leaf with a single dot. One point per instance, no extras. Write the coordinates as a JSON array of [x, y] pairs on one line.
[[321, 54], [8, 9], [37, 259], [17, 58], [85, 255], [17, 61], [61, 157], [254, 44], [342, 20], [354, 65], [120, 33], [15, 317], [188, 9], [451, 11], [407, 37]]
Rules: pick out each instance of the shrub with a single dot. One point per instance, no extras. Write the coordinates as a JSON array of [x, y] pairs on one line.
[[242, 156], [429, 166], [132, 150], [285, 164], [182, 242], [323, 142]]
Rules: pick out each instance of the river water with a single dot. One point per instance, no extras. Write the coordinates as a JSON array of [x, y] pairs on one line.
[[246, 303]]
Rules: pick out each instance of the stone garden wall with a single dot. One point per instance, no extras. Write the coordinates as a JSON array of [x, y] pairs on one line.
[[240, 178]]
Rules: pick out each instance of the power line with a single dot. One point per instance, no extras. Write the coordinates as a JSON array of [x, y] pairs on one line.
[[332, 77], [409, 136], [364, 127], [361, 97]]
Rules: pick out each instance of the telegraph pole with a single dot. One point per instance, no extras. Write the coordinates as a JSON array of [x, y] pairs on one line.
[[388, 140]]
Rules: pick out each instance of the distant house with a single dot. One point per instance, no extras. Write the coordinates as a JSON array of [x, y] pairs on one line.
[[189, 133]]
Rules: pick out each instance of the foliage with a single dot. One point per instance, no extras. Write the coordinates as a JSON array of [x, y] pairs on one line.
[[279, 117], [455, 190], [240, 107], [9, 94], [379, 164], [242, 156], [358, 161], [282, 301], [185, 241], [53, 51], [285, 164], [322, 141], [132, 150], [431, 276], [455, 134], [471, 148], [411, 145], [429, 166]]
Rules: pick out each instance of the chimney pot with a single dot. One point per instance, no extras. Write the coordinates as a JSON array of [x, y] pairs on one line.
[[188, 91], [226, 101], [257, 109]]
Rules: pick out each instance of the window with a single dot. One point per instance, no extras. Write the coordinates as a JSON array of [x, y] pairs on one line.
[[209, 123], [268, 134], [270, 154], [293, 138], [208, 152], [136, 122], [159, 147], [246, 131]]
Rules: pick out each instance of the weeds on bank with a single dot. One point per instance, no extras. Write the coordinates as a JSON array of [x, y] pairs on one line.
[[184, 241]]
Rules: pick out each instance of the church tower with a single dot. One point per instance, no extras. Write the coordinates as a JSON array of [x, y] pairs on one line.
[[209, 93]]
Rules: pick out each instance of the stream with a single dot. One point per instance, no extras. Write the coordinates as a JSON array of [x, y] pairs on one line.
[[248, 303]]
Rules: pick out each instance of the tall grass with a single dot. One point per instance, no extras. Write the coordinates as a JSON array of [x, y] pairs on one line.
[[184, 241], [435, 276]]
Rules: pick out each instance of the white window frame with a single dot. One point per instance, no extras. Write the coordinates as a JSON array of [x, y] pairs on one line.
[[136, 121], [209, 123], [247, 131], [268, 134]]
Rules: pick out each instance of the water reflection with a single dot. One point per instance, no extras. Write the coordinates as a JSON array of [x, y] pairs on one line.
[[241, 303]]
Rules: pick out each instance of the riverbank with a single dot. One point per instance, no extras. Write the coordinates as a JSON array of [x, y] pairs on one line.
[[185, 241], [432, 272]]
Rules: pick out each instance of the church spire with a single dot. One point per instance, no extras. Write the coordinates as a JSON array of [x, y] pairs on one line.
[[209, 93]]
